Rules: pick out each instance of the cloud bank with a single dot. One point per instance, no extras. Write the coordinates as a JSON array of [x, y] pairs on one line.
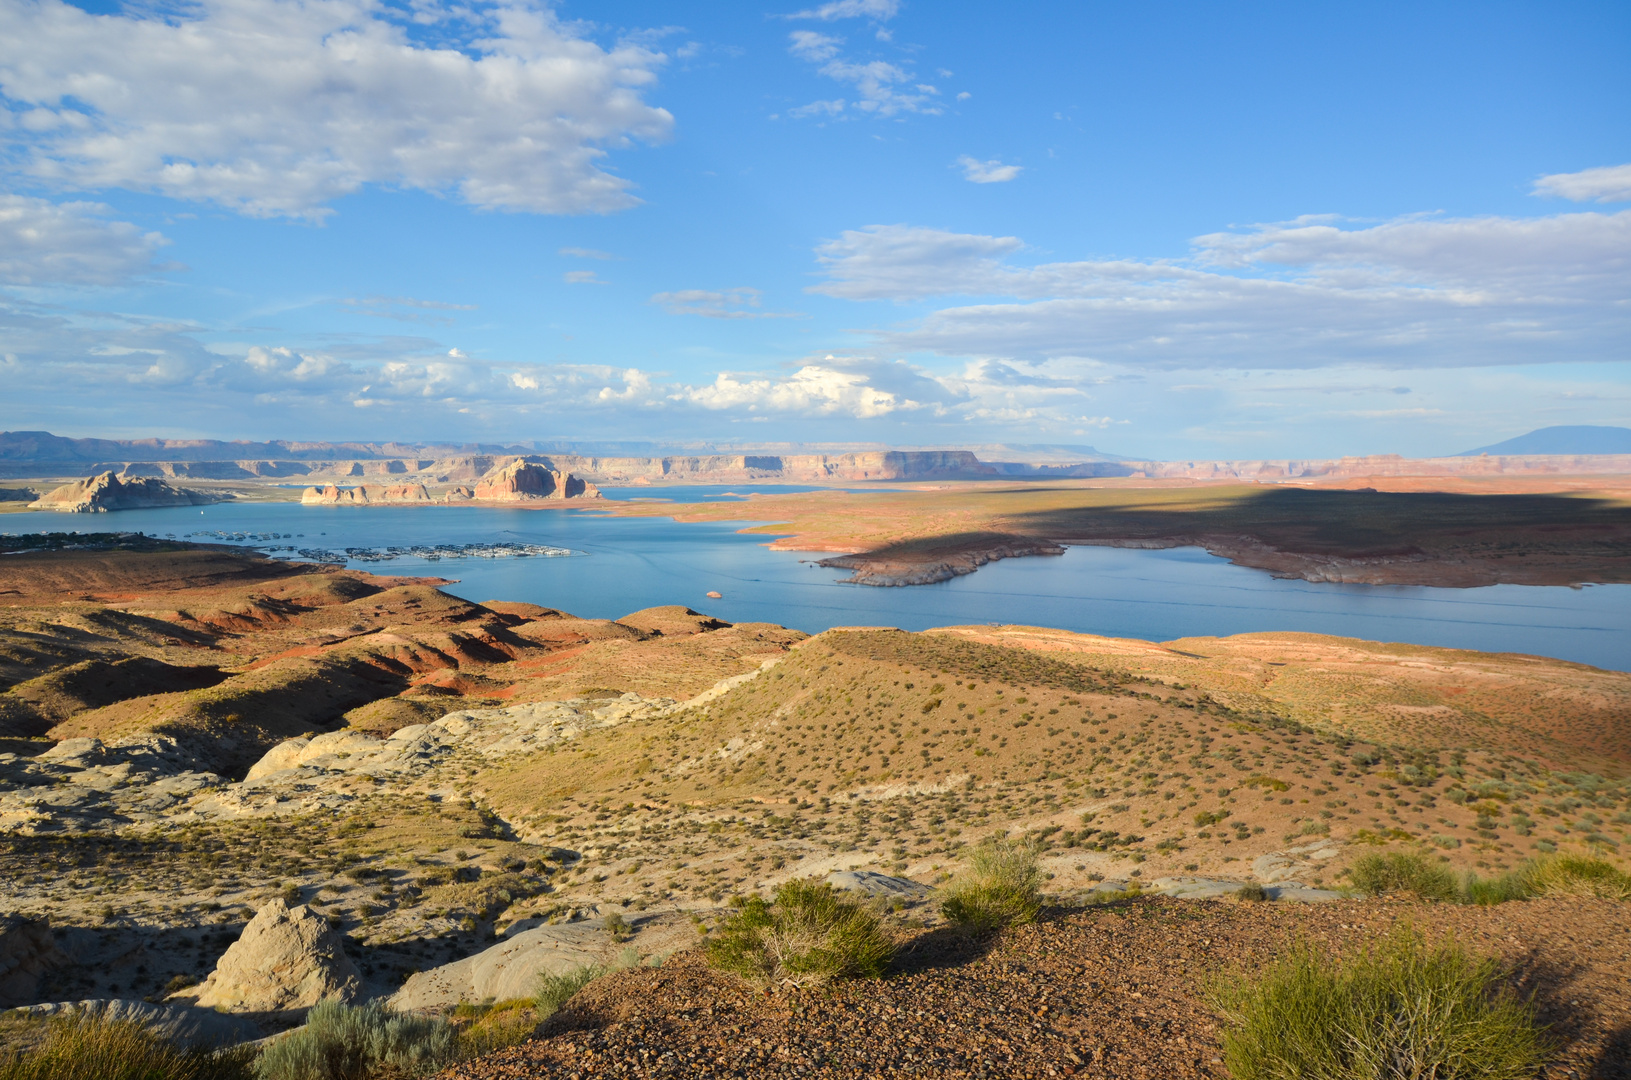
[[45, 243], [278, 107], [1306, 293]]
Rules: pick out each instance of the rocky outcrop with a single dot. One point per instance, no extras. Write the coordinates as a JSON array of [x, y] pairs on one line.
[[106, 491], [872, 883], [27, 951], [508, 970], [364, 495], [287, 958], [524, 481]]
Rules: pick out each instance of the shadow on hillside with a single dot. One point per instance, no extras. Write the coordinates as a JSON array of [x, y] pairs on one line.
[[951, 947], [1614, 1063]]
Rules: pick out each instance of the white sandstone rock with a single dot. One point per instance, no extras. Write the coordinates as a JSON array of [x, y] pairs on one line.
[[286, 958]]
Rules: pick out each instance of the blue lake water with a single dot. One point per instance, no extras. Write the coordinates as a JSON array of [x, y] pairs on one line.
[[633, 563]]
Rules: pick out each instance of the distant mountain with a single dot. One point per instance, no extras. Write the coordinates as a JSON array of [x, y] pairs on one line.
[[44, 447], [1565, 439]]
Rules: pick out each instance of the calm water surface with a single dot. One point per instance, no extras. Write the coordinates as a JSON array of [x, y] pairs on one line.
[[633, 563]]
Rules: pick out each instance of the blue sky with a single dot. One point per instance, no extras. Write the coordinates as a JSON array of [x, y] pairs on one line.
[[1168, 230]]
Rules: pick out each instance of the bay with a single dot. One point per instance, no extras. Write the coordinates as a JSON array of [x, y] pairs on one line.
[[631, 563]]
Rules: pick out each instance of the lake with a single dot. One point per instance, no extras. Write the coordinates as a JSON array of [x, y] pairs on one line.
[[625, 564]]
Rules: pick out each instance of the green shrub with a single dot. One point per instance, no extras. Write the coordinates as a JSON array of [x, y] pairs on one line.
[[1572, 875], [498, 1026], [88, 1048], [556, 990], [810, 933], [1001, 887], [1400, 1009], [356, 1042], [1398, 871], [1549, 875], [1252, 891]]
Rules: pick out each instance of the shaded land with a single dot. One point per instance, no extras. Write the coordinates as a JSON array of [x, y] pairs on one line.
[[1318, 534]]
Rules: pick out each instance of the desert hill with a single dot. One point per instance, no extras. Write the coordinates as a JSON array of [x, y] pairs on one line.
[[194, 731]]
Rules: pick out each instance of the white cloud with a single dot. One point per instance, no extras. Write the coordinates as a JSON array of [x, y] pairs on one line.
[[582, 277], [964, 96], [901, 262], [812, 390], [1307, 293], [1610, 183], [46, 243], [884, 89], [987, 172], [814, 47], [739, 303], [277, 107], [586, 253], [850, 9], [819, 108]]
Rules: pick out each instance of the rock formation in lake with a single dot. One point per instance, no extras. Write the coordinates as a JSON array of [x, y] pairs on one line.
[[520, 480], [105, 491], [287, 958], [364, 495]]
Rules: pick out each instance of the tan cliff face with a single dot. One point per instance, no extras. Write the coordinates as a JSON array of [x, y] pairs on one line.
[[516, 481], [524, 481], [98, 494], [363, 495], [468, 469]]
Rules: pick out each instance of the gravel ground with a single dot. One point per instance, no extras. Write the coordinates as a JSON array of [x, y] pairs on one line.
[[1104, 992]]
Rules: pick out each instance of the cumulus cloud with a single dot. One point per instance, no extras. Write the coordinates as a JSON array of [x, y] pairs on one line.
[[277, 107], [586, 253], [46, 243], [1306, 293], [812, 390], [739, 303], [986, 172], [1610, 183]]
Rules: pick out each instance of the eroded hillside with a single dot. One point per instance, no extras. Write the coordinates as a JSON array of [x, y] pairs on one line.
[[194, 732]]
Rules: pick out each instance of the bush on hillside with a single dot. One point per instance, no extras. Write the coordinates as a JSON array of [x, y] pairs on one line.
[[1549, 875], [1400, 1009], [810, 933], [1001, 887], [1572, 875], [1398, 871], [556, 990], [356, 1042], [88, 1048], [482, 1029]]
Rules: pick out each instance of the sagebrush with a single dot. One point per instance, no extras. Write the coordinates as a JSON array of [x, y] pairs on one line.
[[81, 1047], [1549, 875], [809, 933], [356, 1042], [1002, 886], [1401, 1009]]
